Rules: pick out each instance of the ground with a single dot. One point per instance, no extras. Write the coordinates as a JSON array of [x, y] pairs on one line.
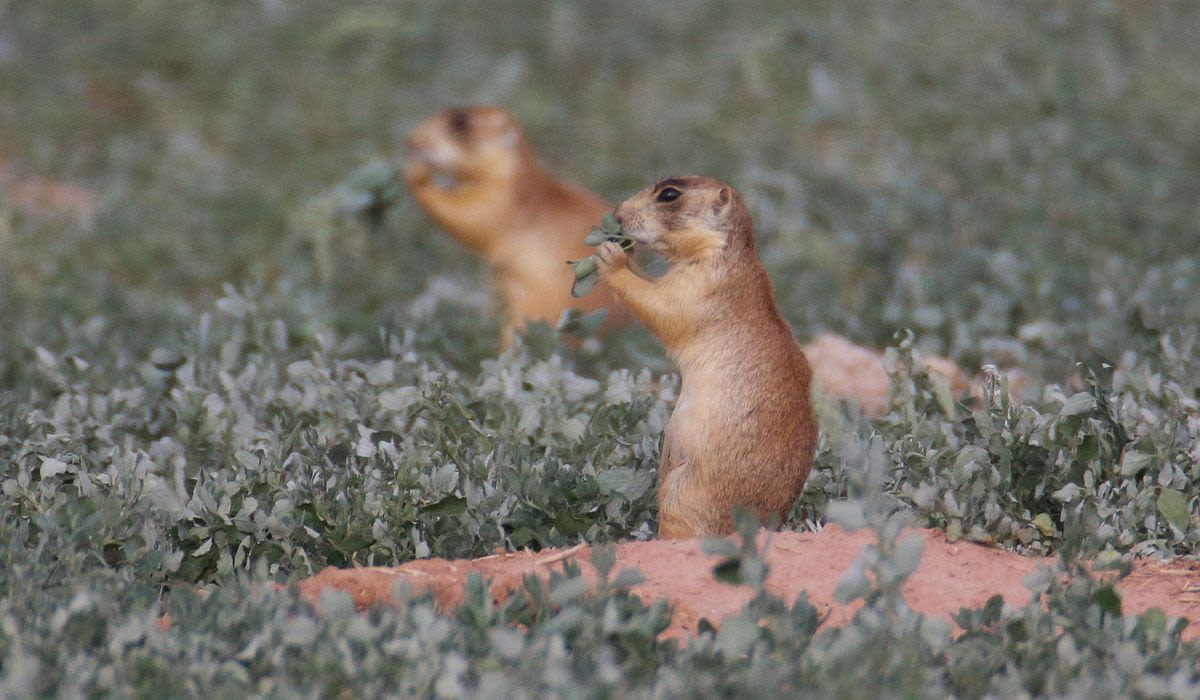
[[951, 576]]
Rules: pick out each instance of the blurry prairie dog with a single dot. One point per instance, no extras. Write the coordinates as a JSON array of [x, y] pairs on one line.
[[474, 172], [743, 432]]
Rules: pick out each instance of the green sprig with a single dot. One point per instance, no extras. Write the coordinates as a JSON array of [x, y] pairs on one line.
[[586, 272]]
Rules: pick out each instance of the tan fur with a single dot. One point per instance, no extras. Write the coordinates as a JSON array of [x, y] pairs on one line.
[[743, 432], [846, 371], [473, 171]]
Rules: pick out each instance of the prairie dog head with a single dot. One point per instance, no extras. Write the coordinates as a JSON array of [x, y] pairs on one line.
[[688, 219], [465, 144]]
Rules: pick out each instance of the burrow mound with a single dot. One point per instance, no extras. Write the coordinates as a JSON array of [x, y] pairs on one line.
[[951, 576]]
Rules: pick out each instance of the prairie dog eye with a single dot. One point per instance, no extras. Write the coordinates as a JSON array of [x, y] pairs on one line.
[[459, 121], [668, 194]]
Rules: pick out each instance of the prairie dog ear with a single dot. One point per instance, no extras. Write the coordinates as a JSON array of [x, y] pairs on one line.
[[721, 202]]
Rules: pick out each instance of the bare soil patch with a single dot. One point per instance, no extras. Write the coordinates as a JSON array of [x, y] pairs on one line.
[[951, 576]]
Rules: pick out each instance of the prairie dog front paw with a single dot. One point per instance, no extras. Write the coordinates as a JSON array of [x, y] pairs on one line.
[[610, 257]]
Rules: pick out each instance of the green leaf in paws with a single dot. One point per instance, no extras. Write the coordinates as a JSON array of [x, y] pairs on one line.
[[609, 230], [584, 267], [584, 284], [596, 237], [611, 226]]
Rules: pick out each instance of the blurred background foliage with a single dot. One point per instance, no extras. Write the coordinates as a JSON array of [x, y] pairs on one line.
[[1014, 181]]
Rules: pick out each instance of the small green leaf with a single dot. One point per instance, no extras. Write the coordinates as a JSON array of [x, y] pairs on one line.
[[584, 267], [736, 635], [603, 559], [166, 360], [450, 505], [522, 537], [627, 578], [1154, 620], [583, 285], [1134, 462], [53, 467], [299, 631], [1174, 507], [583, 324], [943, 393], [570, 590], [623, 481], [610, 225], [1078, 404], [508, 643], [728, 571], [908, 554], [1108, 600], [1044, 524], [854, 584], [596, 237], [376, 174], [1107, 560], [718, 547], [849, 515], [954, 531]]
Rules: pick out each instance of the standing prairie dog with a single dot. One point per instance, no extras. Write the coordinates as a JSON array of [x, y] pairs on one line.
[[743, 432], [473, 171]]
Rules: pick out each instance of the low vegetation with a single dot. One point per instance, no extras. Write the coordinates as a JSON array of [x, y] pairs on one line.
[[258, 359]]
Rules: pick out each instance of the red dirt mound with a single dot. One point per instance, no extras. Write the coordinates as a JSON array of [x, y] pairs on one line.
[[951, 576]]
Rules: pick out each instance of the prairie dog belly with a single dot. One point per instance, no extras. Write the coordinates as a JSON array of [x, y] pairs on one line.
[[699, 429], [688, 429]]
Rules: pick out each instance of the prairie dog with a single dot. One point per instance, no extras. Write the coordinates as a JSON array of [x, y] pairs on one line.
[[743, 432], [474, 172]]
